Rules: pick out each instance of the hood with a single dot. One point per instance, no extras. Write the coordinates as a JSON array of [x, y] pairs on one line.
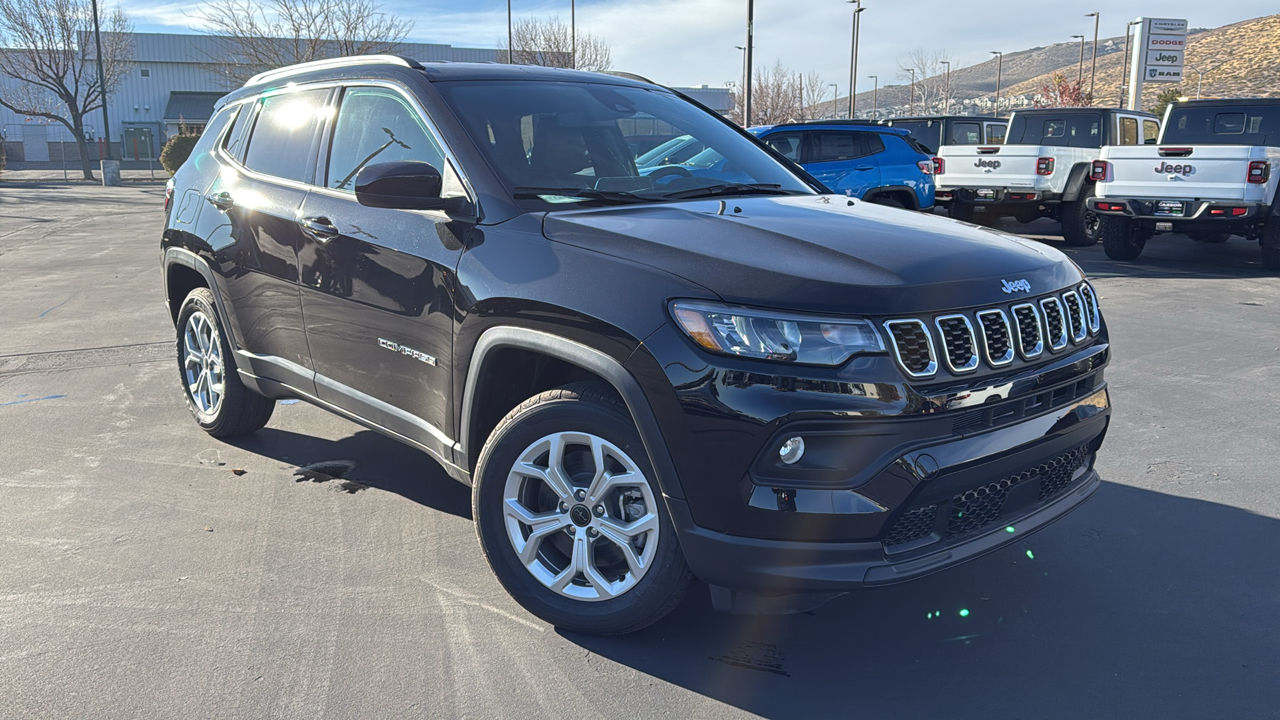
[[819, 253]]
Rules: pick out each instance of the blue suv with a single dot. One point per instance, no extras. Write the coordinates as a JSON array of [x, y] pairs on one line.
[[879, 164]]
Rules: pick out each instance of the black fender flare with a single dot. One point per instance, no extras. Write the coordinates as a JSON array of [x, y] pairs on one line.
[[1075, 181], [186, 258], [587, 358], [914, 204]]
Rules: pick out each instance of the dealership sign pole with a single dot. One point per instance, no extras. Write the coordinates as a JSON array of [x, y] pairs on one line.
[[1159, 53]]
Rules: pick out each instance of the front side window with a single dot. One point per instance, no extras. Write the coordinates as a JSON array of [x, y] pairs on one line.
[[553, 143], [376, 125], [280, 145]]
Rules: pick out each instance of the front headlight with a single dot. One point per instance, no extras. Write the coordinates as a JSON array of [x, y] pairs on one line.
[[769, 335]]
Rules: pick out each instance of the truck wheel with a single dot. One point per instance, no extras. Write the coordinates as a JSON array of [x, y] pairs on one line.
[[1120, 237], [1080, 225], [216, 397], [1209, 238], [570, 517], [1271, 243]]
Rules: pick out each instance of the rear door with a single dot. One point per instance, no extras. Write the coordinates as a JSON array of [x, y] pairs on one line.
[[377, 283], [844, 160], [257, 196]]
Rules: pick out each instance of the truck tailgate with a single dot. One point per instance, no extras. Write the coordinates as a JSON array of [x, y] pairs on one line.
[[1208, 172], [981, 166]]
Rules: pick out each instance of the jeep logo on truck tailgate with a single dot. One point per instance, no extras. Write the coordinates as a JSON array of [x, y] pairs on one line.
[[993, 164], [1165, 168]]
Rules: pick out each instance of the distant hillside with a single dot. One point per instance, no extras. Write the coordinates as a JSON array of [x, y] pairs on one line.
[[1239, 60]]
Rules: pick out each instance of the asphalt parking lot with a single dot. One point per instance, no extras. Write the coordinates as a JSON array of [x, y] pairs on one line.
[[147, 570]]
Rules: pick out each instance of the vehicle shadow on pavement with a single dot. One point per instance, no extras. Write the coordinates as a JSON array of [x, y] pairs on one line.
[[364, 459], [1140, 604]]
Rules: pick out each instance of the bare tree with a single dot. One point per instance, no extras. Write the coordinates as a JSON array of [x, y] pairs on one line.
[[550, 43], [274, 33], [775, 96], [929, 94], [813, 102], [49, 50]]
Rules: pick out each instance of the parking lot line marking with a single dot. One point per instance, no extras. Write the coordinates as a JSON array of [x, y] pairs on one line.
[[28, 400]]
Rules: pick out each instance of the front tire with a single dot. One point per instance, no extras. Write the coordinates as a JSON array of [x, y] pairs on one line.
[[1081, 227], [1120, 237], [216, 397], [1270, 242], [570, 517]]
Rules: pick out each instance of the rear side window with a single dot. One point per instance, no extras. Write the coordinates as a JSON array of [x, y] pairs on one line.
[[213, 131], [835, 146], [1128, 131], [995, 133], [1257, 125], [1150, 132], [233, 143], [965, 133], [280, 145], [377, 126]]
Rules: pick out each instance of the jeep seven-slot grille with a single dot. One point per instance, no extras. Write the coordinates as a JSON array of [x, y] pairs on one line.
[[995, 335], [980, 508]]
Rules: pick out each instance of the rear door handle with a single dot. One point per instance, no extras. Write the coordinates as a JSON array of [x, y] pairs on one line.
[[221, 200], [319, 229], [865, 167]]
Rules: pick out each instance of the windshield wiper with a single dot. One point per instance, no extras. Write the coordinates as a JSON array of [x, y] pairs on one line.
[[615, 196], [729, 189]]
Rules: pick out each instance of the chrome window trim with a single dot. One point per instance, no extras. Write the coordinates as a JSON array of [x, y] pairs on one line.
[[1035, 313], [1072, 300], [973, 343], [334, 107], [932, 368], [1095, 311], [1061, 341], [1008, 331]]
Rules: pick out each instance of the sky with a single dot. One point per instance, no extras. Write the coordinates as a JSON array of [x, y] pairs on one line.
[[692, 42]]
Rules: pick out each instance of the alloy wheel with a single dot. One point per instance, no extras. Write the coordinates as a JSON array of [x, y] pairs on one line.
[[581, 516], [203, 368]]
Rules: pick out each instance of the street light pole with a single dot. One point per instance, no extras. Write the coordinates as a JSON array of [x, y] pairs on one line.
[[1080, 65], [573, 33], [853, 58], [102, 83], [835, 95], [746, 89], [999, 70], [911, 105], [510, 43], [1124, 65], [875, 97], [947, 98], [1093, 73]]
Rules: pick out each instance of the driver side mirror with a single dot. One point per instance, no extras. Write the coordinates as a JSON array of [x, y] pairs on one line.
[[403, 185]]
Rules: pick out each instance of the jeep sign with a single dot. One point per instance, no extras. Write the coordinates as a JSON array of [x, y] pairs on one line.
[[1159, 52]]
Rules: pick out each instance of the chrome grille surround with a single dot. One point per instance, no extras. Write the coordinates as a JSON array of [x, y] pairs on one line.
[[895, 340], [1092, 311], [942, 322], [1055, 323], [1076, 322], [1019, 318], [992, 322]]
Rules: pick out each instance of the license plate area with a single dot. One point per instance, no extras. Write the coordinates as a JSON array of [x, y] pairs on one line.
[[984, 195], [1170, 208]]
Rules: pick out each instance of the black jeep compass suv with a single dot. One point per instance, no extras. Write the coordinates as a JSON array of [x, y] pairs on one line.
[[713, 369]]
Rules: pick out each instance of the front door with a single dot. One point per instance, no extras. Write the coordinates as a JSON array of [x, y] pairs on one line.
[[377, 284], [843, 160]]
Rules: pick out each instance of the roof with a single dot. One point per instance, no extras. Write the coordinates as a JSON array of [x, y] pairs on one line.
[[1229, 102], [190, 106], [855, 125], [1076, 111], [917, 118]]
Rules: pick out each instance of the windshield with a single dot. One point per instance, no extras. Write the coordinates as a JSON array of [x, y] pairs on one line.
[[1257, 125], [558, 142]]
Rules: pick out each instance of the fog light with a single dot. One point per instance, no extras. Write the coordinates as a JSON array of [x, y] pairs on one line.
[[791, 451]]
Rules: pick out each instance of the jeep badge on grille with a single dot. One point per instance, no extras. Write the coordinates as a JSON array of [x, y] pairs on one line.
[[1014, 286]]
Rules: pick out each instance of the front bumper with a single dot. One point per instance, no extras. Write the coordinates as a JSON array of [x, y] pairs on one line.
[[1192, 210]]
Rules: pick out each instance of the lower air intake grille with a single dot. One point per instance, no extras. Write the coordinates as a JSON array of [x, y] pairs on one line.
[[915, 524], [977, 509]]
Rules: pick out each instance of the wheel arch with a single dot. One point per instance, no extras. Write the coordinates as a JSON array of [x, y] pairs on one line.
[[902, 193], [477, 412], [185, 271], [1075, 181]]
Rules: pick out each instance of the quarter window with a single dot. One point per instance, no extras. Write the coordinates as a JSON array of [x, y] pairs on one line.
[[377, 126], [1128, 131], [1150, 132], [281, 142], [995, 133]]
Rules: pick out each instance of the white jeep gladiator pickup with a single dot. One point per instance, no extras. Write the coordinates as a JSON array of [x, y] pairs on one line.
[[1041, 170], [1213, 174]]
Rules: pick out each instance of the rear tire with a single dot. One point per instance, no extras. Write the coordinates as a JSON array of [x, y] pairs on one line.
[[222, 404], [571, 547], [1081, 227], [1120, 237], [1271, 243]]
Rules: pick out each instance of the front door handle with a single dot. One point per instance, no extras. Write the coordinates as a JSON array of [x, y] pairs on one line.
[[865, 167], [319, 229], [221, 200]]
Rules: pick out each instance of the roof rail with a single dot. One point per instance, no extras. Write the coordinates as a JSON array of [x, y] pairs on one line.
[[630, 76], [328, 63]]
